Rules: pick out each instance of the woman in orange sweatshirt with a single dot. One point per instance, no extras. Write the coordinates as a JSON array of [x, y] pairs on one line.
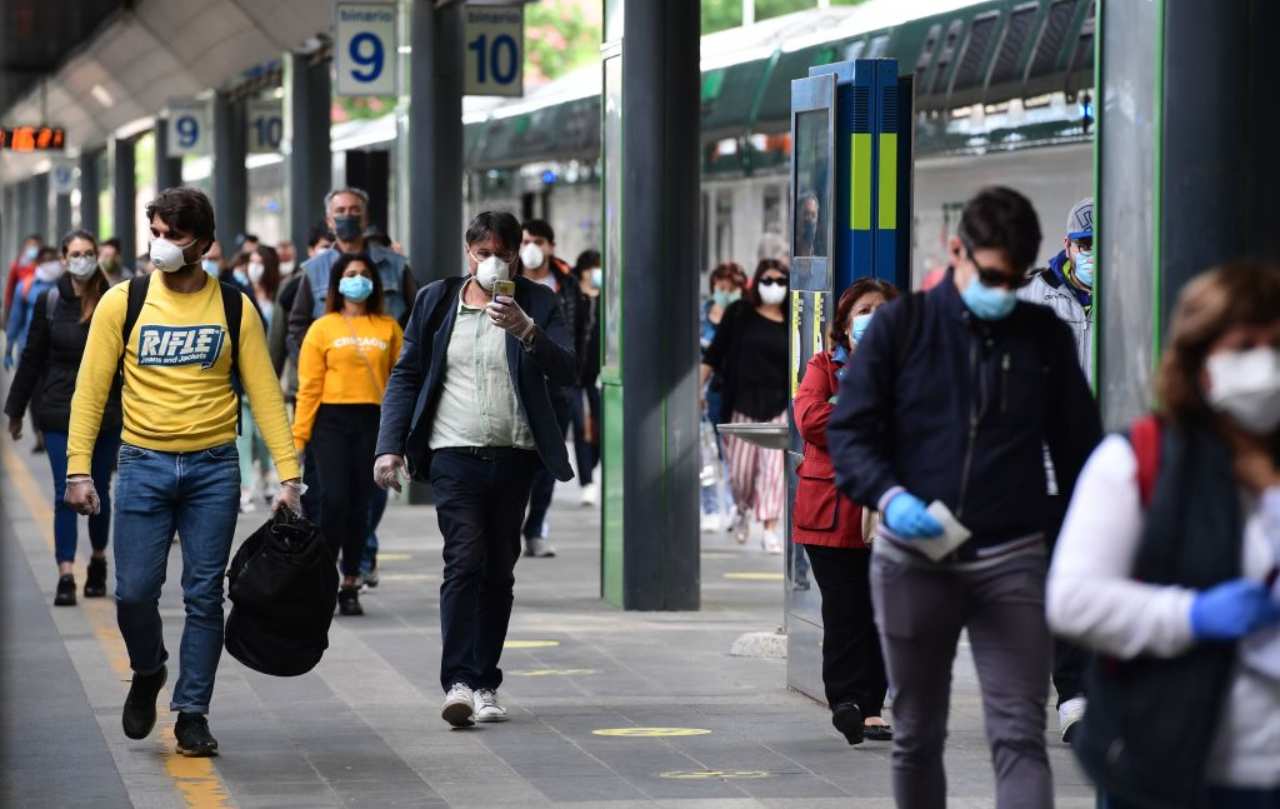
[[343, 367]]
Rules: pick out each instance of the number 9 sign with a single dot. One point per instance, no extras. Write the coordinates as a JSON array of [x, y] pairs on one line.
[[366, 49], [188, 128]]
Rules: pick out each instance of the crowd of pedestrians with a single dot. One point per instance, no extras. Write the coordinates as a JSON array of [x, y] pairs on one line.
[[955, 477]]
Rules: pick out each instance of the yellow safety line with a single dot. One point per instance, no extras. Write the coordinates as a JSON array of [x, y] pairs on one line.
[[196, 778]]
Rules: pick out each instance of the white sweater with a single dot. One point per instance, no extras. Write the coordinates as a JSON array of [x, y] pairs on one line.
[[1092, 599]]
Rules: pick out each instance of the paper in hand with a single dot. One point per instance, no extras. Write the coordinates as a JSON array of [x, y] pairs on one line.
[[953, 533]]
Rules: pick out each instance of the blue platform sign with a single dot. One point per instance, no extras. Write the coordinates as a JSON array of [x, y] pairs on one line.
[[494, 41], [188, 127], [366, 49]]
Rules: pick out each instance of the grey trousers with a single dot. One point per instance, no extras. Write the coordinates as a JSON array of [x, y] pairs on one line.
[[921, 609]]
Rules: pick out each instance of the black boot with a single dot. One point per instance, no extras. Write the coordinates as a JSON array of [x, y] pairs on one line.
[[66, 592], [140, 706], [194, 738], [847, 717], [95, 581], [349, 601]]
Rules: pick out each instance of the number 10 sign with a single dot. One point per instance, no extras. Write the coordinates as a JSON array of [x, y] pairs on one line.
[[366, 48], [495, 50]]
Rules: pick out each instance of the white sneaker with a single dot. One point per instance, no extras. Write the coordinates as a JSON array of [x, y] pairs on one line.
[[741, 527], [772, 541], [711, 523], [488, 709], [459, 706], [590, 495], [1069, 715], [247, 505]]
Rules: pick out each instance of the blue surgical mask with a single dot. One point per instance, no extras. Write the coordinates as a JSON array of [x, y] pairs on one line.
[[597, 278], [860, 324], [724, 299], [347, 228], [988, 303], [29, 255], [355, 288], [210, 266], [241, 277], [1083, 264]]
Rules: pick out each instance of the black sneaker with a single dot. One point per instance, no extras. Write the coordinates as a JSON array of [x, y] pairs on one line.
[[349, 601], [140, 706], [194, 738], [95, 581], [65, 595], [370, 577], [847, 718]]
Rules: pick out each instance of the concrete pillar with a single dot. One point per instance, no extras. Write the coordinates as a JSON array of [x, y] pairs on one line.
[[25, 217], [89, 191], [168, 168], [309, 162], [651, 449], [230, 178], [61, 215], [124, 193], [1178, 191], [435, 130], [40, 206], [9, 220]]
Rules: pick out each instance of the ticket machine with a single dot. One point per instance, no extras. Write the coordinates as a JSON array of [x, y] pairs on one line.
[[851, 135]]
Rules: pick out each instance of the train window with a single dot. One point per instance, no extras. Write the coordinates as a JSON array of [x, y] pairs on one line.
[[969, 73], [1048, 49], [813, 176], [854, 49], [926, 55], [946, 57], [1015, 38], [1082, 56]]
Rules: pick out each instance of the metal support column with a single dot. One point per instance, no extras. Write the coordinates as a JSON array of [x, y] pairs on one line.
[[9, 220], [61, 215], [40, 206], [24, 214], [230, 178], [124, 193], [309, 166], [89, 186], [435, 130], [651, 168], [168, 168]]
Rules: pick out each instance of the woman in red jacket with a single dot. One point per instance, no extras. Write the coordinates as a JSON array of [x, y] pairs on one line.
[[829, 525]]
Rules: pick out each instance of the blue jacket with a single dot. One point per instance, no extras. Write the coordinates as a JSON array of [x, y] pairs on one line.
[[20, 315], [413, 391], [966, 417]]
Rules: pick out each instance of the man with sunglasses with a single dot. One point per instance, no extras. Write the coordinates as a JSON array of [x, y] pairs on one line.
[[946, 407], [1066, 287]]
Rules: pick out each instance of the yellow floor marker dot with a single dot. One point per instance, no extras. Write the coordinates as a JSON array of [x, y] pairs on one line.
[[550, 672], [649, 733], [394, 557], [716, 775], [748, 576], [530, 644]]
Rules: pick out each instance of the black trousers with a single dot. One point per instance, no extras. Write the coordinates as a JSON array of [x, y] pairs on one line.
[[544, 483], [342, 444], [586, 401], [480, 495], [1070, 662], [852, 665]]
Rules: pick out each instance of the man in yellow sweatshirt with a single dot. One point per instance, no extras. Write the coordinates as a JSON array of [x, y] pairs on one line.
[[178, 467]]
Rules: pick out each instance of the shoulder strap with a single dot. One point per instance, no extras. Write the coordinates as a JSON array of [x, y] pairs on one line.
[[232, 310], [1144, 437], [51, 298], [907, 326], [137, 296]]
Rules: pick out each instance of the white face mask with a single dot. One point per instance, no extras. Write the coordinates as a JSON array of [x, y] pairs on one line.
[[490, 270], [82, 266], [531, 256], [286, 268], [256, 269], [167, 256], [49, 271], [773, 293], [1245, 385]]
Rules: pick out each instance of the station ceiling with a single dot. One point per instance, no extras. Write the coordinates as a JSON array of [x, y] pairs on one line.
[[37, 35]]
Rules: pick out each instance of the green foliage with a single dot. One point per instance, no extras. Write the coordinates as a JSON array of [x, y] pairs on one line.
[[560, 37]]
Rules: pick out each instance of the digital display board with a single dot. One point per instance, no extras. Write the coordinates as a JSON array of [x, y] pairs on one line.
[[33, 138]]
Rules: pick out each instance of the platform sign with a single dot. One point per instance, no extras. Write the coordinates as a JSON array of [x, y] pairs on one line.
[[366, 49], [494, 38], [63, 177], [266, 125], [189, 128]]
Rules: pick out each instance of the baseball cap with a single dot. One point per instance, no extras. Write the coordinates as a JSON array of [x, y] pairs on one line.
[[1080, 220]]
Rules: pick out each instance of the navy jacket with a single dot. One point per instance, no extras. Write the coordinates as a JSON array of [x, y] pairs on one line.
[[413, 391], [966, 417]]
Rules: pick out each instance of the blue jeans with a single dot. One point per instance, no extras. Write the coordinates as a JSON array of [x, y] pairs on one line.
[[196, 494], [64, 519], [377, 506]]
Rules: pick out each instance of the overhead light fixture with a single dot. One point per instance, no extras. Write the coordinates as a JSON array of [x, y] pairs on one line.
[[101, 95]]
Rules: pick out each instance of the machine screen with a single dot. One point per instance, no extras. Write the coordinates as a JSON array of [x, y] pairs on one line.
[[813, 173]]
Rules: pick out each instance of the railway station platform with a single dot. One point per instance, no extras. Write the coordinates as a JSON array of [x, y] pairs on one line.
[[610, 709]]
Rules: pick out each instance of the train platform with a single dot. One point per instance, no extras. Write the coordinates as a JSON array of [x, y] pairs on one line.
[[610, 709]]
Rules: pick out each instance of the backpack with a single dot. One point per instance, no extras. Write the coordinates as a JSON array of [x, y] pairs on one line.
[[232, 312], [283, 586], [1144, 436]]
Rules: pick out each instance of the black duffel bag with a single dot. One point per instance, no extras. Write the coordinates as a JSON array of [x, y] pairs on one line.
[[283, 589]]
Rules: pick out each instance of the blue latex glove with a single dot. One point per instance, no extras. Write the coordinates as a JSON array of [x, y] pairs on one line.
[[907, 517], [1232, 610]]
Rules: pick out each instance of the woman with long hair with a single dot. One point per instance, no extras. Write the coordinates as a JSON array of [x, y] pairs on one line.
[[749, 353], [343, 367], [1167, 561], [836, 536], [46, 380]]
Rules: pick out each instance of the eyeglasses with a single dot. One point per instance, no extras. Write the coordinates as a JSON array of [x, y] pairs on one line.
[[773, 280], [1085, 244], [989, 277]]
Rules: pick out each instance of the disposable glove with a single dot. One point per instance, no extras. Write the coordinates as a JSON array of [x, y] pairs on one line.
[[507, 315], [82, 495], [1232, 610], [387, 469], [907, 516], [289, 496]]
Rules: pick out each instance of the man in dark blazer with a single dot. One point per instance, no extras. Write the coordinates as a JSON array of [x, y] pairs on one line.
[[469, 407]]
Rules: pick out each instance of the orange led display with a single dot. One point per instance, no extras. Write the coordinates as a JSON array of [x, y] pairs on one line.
[[33, 138]]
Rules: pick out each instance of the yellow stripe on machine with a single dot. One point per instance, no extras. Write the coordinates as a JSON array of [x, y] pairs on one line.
[[860, 182], [888, 181]]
